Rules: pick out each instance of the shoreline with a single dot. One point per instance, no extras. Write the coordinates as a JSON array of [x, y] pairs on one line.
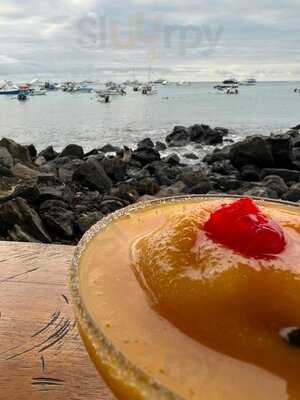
[[55, 197]]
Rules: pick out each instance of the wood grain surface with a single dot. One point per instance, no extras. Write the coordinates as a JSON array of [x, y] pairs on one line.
[[41, 353]]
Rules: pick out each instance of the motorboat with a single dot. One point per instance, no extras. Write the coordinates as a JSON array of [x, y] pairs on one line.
[[248, 82], [10, 90], [149, 90], [227, 84], [38, 92], [82, 89]]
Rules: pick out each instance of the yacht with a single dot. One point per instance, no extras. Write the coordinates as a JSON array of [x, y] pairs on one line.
[[227, 84]]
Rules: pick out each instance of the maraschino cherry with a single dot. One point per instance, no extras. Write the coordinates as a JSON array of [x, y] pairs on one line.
[[243, 227]]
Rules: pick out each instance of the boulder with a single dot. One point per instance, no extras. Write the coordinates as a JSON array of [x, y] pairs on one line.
[[86, 221], [32, 151], [92, 175], [160, 146], [65, 172], [165, 174], [293, 194], [179, 137], [191, 178], [108, 148], [17, 234], [146, 155], [295, 157], [58, 219], [22, 171], [83, 202], [50, 193], [126, 191], [18, 212], [145, 143], [28, 192], [296, 128], [223, 167], [287, 175], [40, 161], [196, 133], [48, 153], [147, 186], [202, 187], [280, 147], [212, 137], [172, 159], [253, 150], [226, 183], [250, 173], [115, 168], [276, 183], [17, 151], [6, 159], [72, 151], [47, 179], [217, 155], [5, 172], [205, 134]]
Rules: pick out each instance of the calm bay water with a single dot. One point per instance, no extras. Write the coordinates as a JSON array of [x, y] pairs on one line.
[[62, 118]]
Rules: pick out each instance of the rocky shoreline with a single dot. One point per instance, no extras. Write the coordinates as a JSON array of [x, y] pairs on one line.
[[55, 197]]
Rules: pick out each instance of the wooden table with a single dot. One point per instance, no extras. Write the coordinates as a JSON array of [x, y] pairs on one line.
[[41, 354]]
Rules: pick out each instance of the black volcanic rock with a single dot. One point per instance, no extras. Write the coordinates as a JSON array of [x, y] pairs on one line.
[[48, 153], [115, 168], [109, 148], [253, 150], [293, 194], [280, 147], [146, 155], [72, 151], [86, 221], [17, 212], [160, 146], [250, 172], [276, 183], [288, 175], [172, 159], [145, 143], [92, 175], [179, 137], [58, 219], [6, 159], [16, 150]]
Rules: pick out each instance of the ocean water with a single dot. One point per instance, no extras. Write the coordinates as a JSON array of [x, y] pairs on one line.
[[61, 118]]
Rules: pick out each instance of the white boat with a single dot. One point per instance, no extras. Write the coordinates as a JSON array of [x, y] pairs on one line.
[[38, 92], [248, 82], [149, 90], [111, 91], [9, 90], [82, 89]]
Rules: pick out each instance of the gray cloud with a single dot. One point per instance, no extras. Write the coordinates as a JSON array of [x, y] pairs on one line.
[[194, 39]]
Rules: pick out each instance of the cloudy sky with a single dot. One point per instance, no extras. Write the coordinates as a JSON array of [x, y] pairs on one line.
[[185, 40]]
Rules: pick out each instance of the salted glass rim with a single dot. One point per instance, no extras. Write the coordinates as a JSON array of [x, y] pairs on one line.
[[102, 344]]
